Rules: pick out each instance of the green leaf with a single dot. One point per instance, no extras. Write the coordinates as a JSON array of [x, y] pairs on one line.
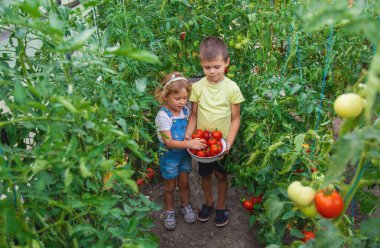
[[19, 93], [141, 85], [85, 172], [76, 41], [273, 208], [296, 233], [371, 228], [328, 235], [56, 25], [31, 7], [348, 148], [133, 53]]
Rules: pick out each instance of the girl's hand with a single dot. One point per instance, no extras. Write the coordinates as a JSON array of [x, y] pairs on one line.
[[197, 144]]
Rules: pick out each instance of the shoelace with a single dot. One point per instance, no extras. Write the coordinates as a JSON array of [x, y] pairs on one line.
[[189, 210], [170, 216]]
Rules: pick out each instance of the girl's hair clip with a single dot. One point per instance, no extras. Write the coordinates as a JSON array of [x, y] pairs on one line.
[[173, 79]]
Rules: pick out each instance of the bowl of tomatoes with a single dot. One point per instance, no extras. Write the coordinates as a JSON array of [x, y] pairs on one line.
[[216, 146]]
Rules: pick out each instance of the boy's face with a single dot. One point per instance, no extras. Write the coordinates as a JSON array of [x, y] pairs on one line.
[[214, 69]]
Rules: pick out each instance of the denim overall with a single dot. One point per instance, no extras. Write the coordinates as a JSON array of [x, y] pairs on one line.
[[174, 161]]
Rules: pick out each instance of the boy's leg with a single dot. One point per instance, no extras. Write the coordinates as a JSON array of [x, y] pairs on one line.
[[222, 214], [206, 171], [207, 189], [222, 180]]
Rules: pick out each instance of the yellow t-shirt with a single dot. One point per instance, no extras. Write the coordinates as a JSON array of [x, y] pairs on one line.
[[214, 103]]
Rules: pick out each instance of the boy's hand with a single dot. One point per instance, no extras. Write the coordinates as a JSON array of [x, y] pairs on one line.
[[228, 147]]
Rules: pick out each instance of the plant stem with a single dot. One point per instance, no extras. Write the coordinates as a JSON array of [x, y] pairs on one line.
[[354, 182], [4, 123]]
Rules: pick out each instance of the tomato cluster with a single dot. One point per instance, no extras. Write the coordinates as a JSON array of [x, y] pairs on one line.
[[250, 203], [211, 139], [329, 204], [149, 175]]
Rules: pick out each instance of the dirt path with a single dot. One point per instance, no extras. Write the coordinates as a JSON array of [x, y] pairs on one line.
[[236, 234]]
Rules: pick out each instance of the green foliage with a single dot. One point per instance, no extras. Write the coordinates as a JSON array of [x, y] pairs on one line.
[[79, 82]]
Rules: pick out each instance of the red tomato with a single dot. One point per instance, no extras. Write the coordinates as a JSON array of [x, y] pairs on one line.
[[140, 182], [201, 153], [308, 235], [150, 175], [193, 151], [206, 135], [329, 205], [150, 170], [198, 134], [313, 169], [182, 36], [248, 205], [257, 199], [215, 149], [217, 134], [226, 70], [212, 141]]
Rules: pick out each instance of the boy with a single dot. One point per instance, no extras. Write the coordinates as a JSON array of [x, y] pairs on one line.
[[215, 105]]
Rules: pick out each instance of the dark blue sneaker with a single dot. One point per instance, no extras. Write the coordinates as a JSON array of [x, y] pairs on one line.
[[204, 214], [221, 217]]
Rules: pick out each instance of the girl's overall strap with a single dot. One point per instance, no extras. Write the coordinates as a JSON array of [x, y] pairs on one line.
[[167, 111]]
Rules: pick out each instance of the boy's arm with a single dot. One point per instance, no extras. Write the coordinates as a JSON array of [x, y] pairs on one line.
[[235, 125], [192, 120]]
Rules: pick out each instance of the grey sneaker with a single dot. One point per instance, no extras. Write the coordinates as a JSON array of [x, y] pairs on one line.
[[188, 214], [170, 223]]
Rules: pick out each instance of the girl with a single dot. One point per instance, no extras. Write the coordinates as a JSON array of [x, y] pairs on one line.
[[175, 162]]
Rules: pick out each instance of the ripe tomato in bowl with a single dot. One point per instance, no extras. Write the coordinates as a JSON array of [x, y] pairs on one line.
[[210, 157]]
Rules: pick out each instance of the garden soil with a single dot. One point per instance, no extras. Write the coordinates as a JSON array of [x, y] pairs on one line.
[[236, 234]]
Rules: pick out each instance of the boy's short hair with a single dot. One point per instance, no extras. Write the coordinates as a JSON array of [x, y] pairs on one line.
[[211, 48]]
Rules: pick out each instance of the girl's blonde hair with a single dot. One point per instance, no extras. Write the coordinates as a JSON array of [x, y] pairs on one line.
[[171, 84]]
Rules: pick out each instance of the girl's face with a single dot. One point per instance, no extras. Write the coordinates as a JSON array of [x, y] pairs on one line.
[[176, 101], [214, 69]]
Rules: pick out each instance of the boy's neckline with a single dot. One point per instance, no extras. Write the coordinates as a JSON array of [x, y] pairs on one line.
[[215, 83]]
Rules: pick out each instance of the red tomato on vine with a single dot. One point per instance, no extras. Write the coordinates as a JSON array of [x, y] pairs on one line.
[[308, 235], [329, 205]]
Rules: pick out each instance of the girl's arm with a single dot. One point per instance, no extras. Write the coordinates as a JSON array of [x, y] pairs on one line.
[[235, 124], [176, 144], [192, 120]]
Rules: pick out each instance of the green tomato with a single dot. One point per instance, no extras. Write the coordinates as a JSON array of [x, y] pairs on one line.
[[232, 43], [301, 195], [317, 176], [348, 105], [238, 46], [245, 41], [230, 75], [309, 211]]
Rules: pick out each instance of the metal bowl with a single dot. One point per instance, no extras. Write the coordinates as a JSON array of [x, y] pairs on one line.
[[209, 159]]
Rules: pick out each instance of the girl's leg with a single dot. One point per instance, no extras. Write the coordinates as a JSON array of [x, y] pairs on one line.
[[184, 189], [169, 187]]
